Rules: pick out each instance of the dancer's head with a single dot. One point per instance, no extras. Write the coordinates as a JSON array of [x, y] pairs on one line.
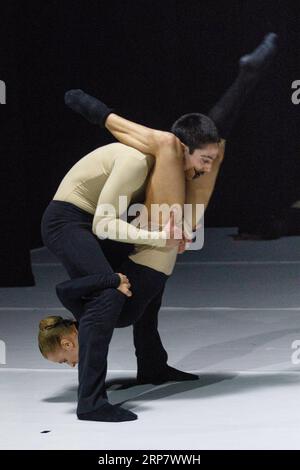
[[58, 340], [200, 137]]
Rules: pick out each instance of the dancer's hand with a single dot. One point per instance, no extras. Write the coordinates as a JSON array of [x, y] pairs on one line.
[[182, 244], [174, 233], [186, 240], [125, 285], [123, 278]]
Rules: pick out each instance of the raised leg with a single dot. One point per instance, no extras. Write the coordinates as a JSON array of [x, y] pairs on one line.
[[166, 184], [134, 135], [251, 69], [127, 132]]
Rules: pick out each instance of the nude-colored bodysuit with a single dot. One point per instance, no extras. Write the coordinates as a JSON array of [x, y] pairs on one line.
[[102, 176]]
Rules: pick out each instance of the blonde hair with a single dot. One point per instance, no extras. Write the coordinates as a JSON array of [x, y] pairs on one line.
[[51, 330]]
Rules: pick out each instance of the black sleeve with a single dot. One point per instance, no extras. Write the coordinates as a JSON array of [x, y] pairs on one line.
[[71, 293]]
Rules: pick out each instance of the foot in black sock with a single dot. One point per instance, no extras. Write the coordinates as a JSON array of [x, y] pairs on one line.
[[168, 374], [252, 67], [108, 413], [89, 107], [255, 63]]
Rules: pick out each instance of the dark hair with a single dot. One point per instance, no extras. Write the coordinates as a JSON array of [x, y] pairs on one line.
[[195, 130]]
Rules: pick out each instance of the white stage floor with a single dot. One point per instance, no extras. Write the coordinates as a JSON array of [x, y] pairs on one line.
[[231, 313]]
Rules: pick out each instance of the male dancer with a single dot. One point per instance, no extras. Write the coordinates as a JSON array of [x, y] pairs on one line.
[[224, 114], [251, 68]]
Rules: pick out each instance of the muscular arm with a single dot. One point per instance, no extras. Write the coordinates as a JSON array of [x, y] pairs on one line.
[[71, 293], [167, 183], [134, 135]]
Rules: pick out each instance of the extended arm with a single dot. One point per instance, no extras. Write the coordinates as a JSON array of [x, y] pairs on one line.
[[127, 177], [71, 293], [168, 152], [129, 133], [134, 135]]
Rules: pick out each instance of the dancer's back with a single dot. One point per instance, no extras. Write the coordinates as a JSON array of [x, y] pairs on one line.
[[84, 182]]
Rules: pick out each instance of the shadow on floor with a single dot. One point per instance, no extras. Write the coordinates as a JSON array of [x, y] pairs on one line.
[[219, 352], [125, 390]]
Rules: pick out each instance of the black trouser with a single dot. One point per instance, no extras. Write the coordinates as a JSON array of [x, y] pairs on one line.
[[67, 232]]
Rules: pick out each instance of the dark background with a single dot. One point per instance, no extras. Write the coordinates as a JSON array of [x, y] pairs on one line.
[[152, 61]]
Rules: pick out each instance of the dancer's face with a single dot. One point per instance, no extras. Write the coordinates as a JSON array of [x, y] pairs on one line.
[[200, 161], [67, 352]]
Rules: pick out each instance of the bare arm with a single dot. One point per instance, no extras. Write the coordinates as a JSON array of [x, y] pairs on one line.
[[127, 176], [71, 293], [134, 135]]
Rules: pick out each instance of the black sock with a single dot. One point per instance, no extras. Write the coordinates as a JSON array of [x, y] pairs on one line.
[[168, 374], [251, 69], [108, 413], [89, 107]]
